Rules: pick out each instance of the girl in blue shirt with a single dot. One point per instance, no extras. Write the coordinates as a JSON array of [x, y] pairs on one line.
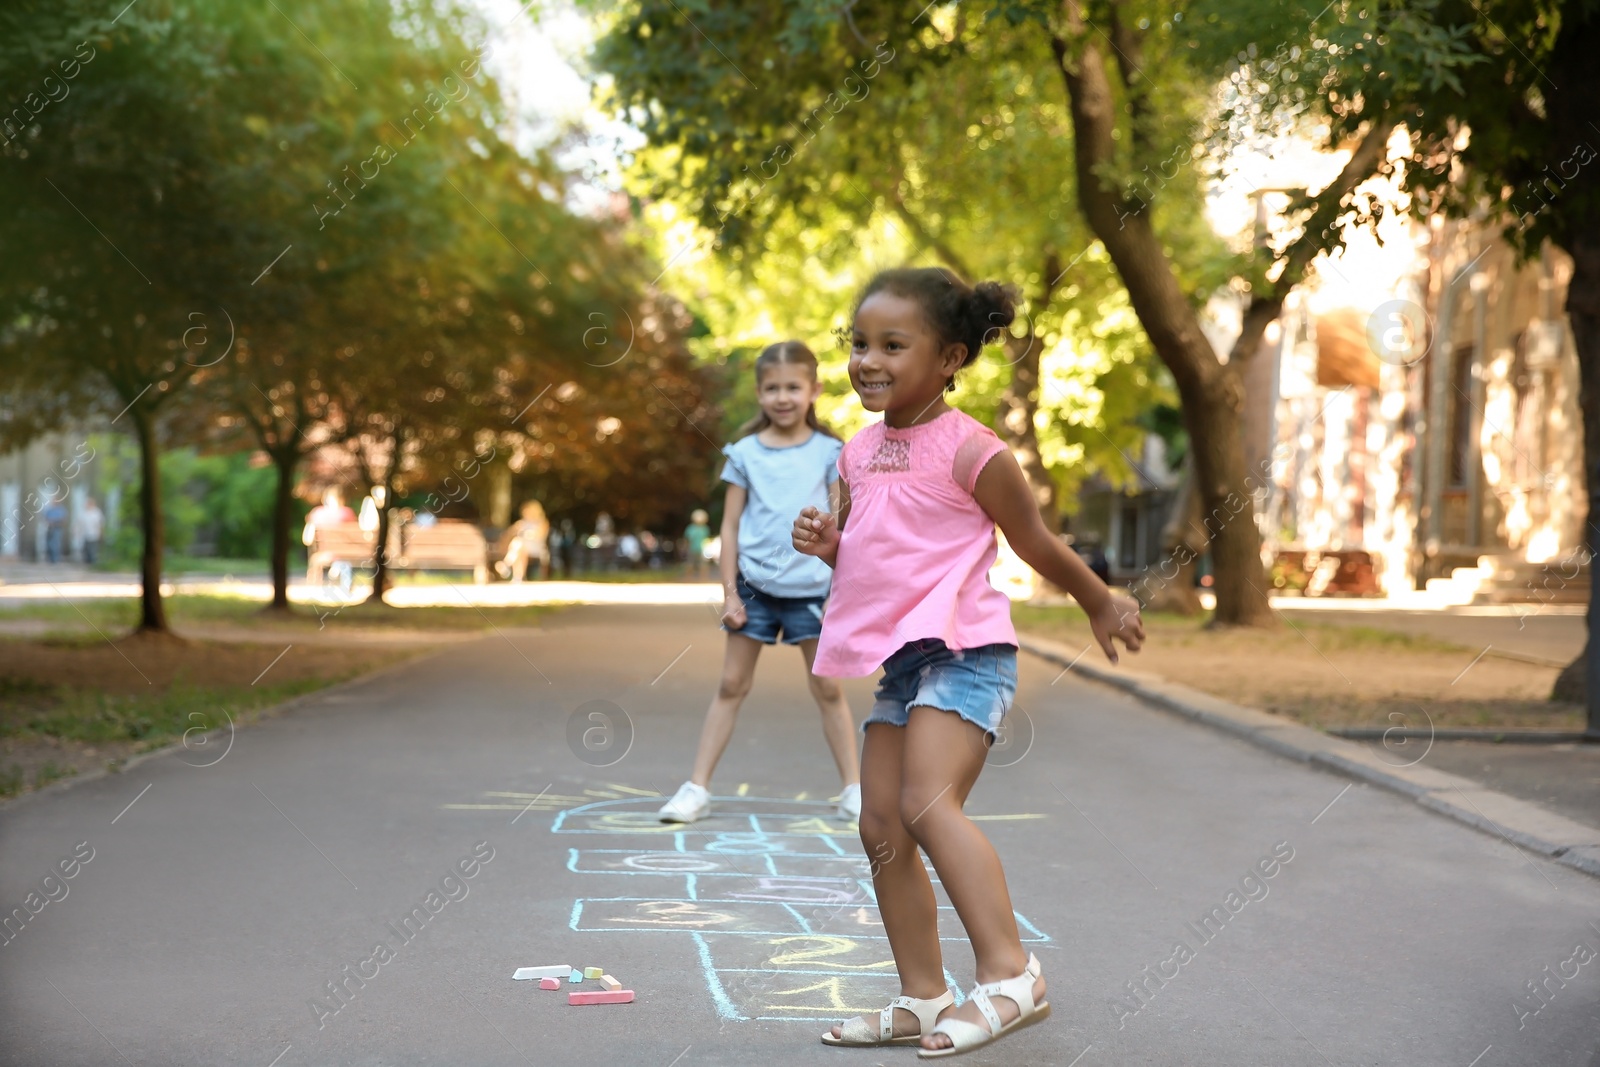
[[784, 460]]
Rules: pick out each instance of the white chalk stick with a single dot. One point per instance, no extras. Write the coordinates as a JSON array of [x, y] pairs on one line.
[[559, 970], [610, 982]]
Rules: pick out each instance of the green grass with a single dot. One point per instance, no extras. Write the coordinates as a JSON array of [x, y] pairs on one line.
[[1331, 636], [1325, 636], [1025, 615], [48, 772], [180, 566], [672, 574], [94, 717], [118, 614]]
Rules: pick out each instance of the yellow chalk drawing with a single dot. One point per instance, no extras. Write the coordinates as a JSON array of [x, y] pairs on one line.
[[835, 1004], [631, 791], [664, 909], [818, 827], [817, 957]]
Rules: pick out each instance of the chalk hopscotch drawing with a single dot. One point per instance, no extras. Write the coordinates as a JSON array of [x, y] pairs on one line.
[[777, 900]]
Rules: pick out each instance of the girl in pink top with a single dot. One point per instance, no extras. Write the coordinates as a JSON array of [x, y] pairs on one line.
[[911, 547]]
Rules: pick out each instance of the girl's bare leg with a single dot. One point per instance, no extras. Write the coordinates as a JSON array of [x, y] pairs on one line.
[[738, 670], [905, 894], [837, 726], [943, 755]]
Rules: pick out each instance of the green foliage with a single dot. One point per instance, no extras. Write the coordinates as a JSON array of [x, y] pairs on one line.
[[427, 278], [227, 498], [235, 493], [820, 145]]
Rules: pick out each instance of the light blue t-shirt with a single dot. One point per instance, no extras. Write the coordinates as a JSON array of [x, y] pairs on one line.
[[780, 482]]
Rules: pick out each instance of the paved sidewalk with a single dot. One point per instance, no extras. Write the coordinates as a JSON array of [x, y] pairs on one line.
[[1564, 778], [1397, 764]]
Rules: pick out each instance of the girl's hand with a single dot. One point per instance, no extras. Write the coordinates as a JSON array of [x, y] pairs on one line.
[[733, 613], [816, 533], [1118, 619]]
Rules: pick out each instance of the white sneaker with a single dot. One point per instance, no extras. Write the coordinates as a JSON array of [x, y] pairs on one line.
[[850, 802], [690, 803]]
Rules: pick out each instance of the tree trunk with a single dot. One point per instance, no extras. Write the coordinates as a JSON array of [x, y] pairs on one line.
[[1211, 393], [1183, 540], [152, 611], [1581, 679], [380, 551], [284, 462], [1014, 424], [1227, 501]]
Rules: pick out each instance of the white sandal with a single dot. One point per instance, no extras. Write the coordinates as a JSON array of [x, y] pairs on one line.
[[965, 1036], [858, 1032]]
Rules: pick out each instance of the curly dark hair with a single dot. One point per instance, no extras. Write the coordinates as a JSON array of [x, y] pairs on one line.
[[959, 313]]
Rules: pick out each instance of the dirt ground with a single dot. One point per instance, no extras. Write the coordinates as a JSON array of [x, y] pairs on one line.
[[1334, 675]]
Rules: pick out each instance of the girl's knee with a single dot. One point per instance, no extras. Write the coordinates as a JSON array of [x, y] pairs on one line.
[[732, 688], [881, 831], [919, 806], [826, 690]]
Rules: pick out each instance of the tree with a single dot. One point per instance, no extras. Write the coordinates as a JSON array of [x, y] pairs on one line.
[[299, 145], [105, 186], [733, 141], [846, 153], [1515, 135]]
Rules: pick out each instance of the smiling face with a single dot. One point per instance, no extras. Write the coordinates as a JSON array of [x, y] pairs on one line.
[[898, 364], [786, 392]]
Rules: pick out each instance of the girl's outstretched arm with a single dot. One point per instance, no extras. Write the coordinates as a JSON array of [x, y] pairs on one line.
[[733, 613], [1003, 492]]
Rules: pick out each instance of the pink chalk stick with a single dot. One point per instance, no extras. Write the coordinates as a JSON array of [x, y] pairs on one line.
[[620, 996], [549, 983]]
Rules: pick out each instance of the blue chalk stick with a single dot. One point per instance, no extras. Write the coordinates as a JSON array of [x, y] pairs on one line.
[[577, 976]]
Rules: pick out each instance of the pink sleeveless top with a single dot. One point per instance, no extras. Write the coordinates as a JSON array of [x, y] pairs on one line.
[[915, 554]]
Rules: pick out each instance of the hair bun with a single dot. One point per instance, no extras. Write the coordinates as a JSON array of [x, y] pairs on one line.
[[993, 308]]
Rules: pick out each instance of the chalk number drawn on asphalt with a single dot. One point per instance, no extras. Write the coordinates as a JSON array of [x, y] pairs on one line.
[[781, 912]]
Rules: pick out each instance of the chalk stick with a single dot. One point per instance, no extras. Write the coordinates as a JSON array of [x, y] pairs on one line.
[[557, 970], [549, 983], [610, 982], [593, 972], [576, 976], [603, 996]]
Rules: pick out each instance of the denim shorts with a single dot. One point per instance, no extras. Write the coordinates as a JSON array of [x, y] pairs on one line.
[[977, 684], [796, 619]]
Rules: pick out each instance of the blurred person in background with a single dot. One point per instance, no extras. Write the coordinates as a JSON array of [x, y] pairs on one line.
[[331, 512], [695, 536], [55, 531], [529, 543], [92, 525], [629, 551]]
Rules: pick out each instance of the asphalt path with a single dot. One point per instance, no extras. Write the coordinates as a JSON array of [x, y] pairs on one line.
[[233, 900]]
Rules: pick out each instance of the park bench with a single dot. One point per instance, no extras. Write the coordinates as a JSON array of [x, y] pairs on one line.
[[344, 543], [1325, 572], [449, 544]]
